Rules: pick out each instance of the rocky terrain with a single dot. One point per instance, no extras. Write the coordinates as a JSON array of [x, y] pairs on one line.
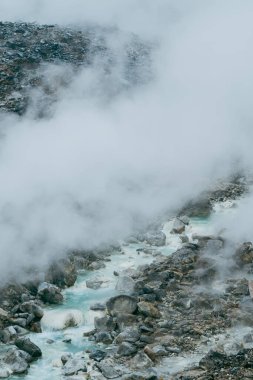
[[175, 307], [27, 50], [168, 309]]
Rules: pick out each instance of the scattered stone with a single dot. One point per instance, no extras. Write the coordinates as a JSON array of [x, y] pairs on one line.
[[74, 366], [126, 349], [149, 310], [121, 304]]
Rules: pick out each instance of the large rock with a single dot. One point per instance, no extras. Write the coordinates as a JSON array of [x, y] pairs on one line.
[[156, 238], [109, 369], [130, 335], [32, 308], [121, 304], [94, 284], [16, 360], [105, 323], [62, 273], [148, 309], [125, 284], [178, 227], [126, 349], [244, 254], [25, 344], [49, 293], [140, 361], [74, 366]]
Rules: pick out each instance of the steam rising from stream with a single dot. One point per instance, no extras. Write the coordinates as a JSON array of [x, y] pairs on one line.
[[102, 165]]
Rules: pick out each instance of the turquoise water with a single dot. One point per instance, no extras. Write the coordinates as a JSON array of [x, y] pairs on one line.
[[79, 298]]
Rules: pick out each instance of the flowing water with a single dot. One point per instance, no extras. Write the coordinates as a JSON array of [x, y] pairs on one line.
[[79, 298]]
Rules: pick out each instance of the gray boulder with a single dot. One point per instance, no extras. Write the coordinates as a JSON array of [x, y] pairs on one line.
[[130, 335], [94, 284], [178, 226], [105, 323], [125, 284], [49, 293], [121, 304], [17, 360], [74, 366], [126, 349], [32, 308]]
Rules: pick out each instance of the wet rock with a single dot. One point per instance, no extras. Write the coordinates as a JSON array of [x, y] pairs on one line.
[[104, 323], [62, 273], [126, 349], [97, 355], [109, 369], [94, 284], [149, 310], [178, 227], [125, 320], [66, 357], [156, 238], [155, 351], [103, 337], [121, 304], [96, 265], [74, 366], [49, 293], [140, 361], [244, 254], [25, 344], [5, 373], [201, 207], [125, 284], [130, 335], [32, 308], [98, 307], [146, 375], [194, 374], [16, 360]]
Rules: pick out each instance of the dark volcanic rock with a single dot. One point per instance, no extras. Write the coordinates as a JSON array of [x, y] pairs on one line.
[[49, 293], [25, 344]]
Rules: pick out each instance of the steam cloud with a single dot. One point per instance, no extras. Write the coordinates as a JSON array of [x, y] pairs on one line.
[[100, 165]]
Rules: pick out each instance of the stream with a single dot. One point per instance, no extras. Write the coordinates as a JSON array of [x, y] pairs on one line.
[[79, 298]]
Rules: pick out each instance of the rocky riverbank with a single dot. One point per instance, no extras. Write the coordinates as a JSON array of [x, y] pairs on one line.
[[173, 308]]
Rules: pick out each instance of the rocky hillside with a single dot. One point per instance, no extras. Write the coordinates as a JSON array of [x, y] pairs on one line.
[[26, 48]]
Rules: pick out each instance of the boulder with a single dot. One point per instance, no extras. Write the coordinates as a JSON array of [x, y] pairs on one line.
[[103, 337], [156, 238], [16, 360], [130, 335], [121, 304], [105, 323], [148, 309], [126, 349], [62, 273], [125, 284], [25, 344], [178, 227], [109, 369], [32, 308], [94, 284], [98, 355], [49, 293], [74, 366], [140, 361], [244, 254]]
